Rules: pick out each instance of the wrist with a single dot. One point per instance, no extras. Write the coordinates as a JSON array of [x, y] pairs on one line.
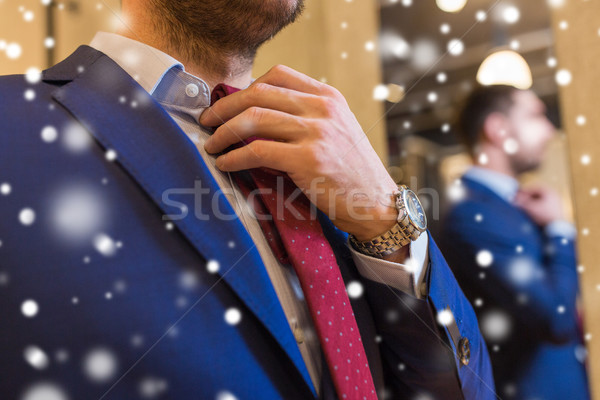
[[375, 221]]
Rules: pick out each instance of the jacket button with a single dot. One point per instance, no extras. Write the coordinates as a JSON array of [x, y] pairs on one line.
[[464, 351]]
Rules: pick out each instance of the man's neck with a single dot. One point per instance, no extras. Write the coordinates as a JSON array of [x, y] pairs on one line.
[[495, 160], [236, 73]]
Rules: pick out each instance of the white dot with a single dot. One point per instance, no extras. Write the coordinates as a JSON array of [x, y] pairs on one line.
[[495, 325], [225, 395], [5, 189], [480, 16], [27, 216], [551, 62], [478, 302], [212, 266], [407, 3], [511, 14], [445, 29], [33, 75], [446, 128], [29, 94], [233, 316], [561, 309], [511, 146], [519, 249], [432, 97], [484, 258], [75, 138], [586, 159], [563, 25], [369, 46], [231, 244], [13, 50], [580, 269], [456, 47], [344, 55], [152, 387], [556, 3], [100, 365], [585, 231], [105, 245], [580, 120], [594, 191], [406, 124], [563, 77], [75, 300], [478, 217], [441, 77], [354, 289], [169, 226], [36, 357], [29, 308], [49, 42], [49, 134], [515, 45], [108, 295], [381, 92], [483, 159], [344, 25], [445, 317], [28, 16], [44, 391], [111, 155]]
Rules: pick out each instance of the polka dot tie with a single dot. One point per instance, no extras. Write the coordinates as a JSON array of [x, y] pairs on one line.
[[296, 237]]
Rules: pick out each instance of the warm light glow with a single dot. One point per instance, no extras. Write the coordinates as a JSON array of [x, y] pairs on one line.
[[451, 6], [505, 67]]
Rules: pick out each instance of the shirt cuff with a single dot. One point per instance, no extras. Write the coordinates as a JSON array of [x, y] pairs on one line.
[[561, 229], [407, 277]]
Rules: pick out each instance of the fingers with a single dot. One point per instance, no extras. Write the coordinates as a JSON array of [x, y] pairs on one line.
[[261, 95], [255, 121], [260, 153], [288, 78]]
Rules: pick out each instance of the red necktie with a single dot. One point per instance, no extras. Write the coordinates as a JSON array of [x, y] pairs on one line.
[[298, 239]]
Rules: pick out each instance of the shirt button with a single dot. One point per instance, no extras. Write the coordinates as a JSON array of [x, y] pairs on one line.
[[192, 90], [299, 335]]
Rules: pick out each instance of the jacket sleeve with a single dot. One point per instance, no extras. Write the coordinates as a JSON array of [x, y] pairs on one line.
[[420, 353], [539, 292]]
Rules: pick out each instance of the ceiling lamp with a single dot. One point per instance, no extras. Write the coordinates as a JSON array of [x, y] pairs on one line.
[[451, 6], [505, 67]]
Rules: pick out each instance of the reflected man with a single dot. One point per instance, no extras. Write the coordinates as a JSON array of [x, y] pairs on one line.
[[512, 251]]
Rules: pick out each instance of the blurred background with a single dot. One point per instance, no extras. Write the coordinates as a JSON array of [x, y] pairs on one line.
[[405, 66]]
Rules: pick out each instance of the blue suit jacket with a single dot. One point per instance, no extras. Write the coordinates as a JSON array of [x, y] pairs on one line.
[[530, 288], [148, 275]]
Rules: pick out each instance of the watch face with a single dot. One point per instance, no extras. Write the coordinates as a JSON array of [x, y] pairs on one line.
[[415, 210]]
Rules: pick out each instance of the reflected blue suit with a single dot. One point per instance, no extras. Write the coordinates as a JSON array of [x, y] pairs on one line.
[[530, 289]]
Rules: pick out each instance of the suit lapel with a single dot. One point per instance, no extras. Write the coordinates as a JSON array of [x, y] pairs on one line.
[[167, 166]]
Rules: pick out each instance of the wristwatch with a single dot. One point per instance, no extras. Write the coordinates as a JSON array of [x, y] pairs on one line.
[[411, 222]]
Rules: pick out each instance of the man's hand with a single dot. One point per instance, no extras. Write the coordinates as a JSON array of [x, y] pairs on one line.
[[542, 204], [315, 138]]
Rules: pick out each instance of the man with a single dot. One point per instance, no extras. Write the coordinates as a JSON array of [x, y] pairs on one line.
[[512, 252], [132, 266]]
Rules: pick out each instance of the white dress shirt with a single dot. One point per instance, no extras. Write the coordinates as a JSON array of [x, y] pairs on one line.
[[185, 97]]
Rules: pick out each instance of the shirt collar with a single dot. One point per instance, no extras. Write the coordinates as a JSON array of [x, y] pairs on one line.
[[157, 72], [503, 185]]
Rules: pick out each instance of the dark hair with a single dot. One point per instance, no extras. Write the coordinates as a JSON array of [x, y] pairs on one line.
[[480, 103]]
